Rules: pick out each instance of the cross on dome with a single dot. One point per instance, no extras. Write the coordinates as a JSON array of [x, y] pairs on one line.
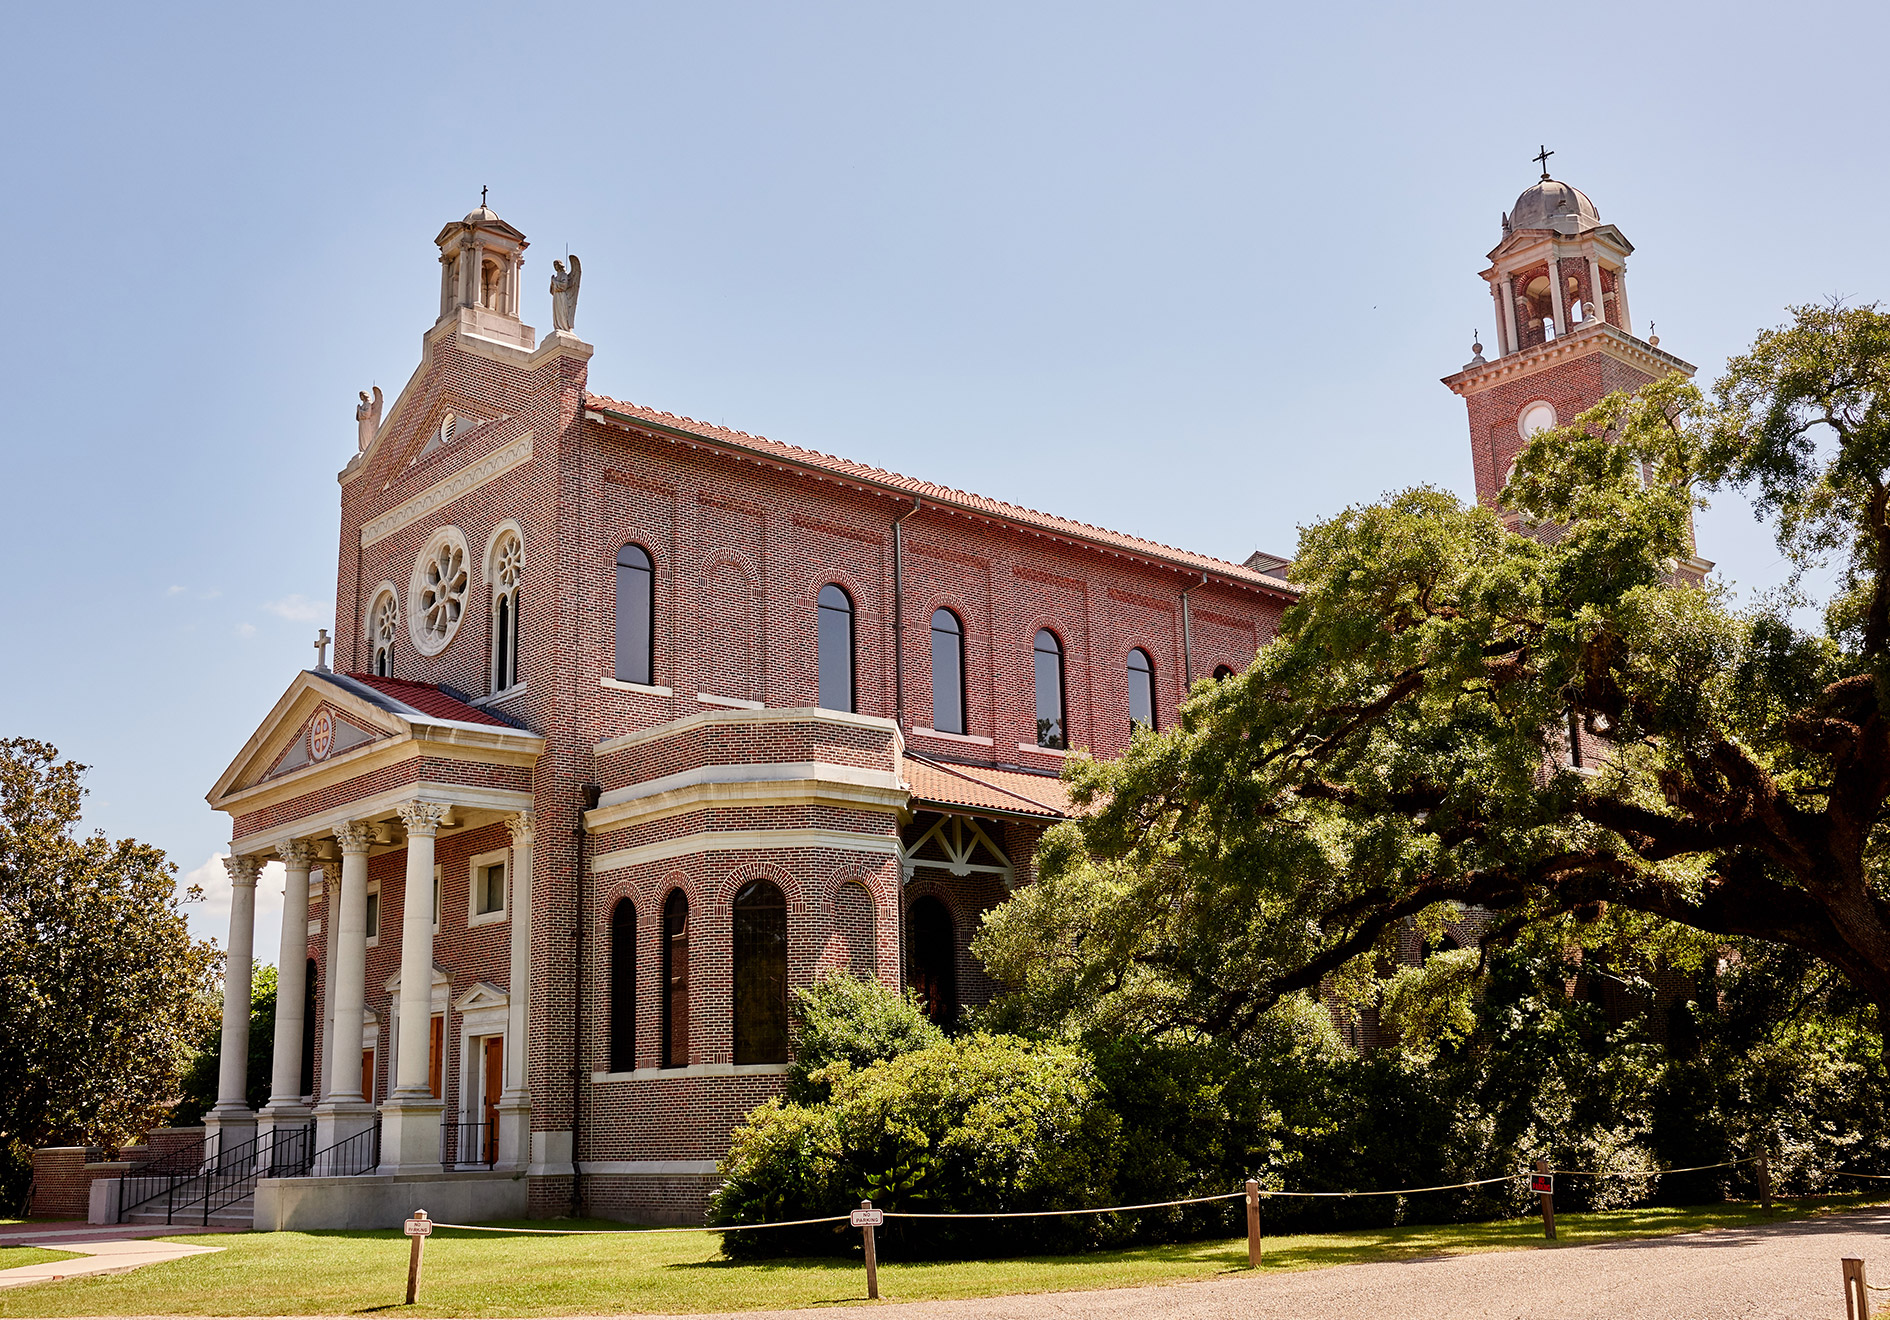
[[1541, 158]]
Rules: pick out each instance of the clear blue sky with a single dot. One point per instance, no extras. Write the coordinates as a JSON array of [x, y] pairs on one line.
[[1186, 270]]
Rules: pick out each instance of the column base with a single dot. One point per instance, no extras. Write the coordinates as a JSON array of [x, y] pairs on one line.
[[338, 1121], [227, 1128], [410, 1135], [515, 1132], [285, 1139]]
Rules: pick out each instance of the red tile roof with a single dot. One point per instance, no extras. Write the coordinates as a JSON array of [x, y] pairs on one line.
[[1012, 791], [944, 495], [428, 700]]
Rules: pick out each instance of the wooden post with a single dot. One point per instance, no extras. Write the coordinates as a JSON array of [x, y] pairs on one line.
[[1253, 1224], [872, 1261], [1548, 1204], [1765, 1183], [1856, 1291], [413, 1260]]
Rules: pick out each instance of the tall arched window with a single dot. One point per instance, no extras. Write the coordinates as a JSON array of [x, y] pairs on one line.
[[835, 610], [309, 1001], [932, 958], [1141, 690], [948, 672], [675, 1024], [1048, 653], [623, 986], [508, 564], [761, 1017], [1222, 672], [383, 623], [636, 616]]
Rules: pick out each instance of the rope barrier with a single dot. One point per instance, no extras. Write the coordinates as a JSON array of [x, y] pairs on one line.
[[1655, 1173], [1404, 1191], [619, 1232], [1035, 1214], [1846, 1173]]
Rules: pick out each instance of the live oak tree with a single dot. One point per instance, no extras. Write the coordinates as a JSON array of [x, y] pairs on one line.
[[102, 989], [1402, 749]]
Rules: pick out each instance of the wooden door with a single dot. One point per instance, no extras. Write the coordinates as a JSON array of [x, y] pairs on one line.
[[436, 1057], [495, 1084], [367, 1075]]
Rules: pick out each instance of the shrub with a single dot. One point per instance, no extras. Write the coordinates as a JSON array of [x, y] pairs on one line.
[[843, 1020], [978, 1124]]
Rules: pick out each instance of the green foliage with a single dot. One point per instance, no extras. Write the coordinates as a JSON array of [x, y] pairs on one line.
[[101, 987], [843, 1022], [198, 1086], [978, 1123]]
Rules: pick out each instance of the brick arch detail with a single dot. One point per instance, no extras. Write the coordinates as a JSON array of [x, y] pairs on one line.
[[791, 888]]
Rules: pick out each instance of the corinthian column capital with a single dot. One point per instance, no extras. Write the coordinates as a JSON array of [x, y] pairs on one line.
[[423, 818], [243, 871], [524, 827], [354, 837], [296, 854]]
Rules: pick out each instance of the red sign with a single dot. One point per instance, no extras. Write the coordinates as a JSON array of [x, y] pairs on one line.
[[1542, 1184]]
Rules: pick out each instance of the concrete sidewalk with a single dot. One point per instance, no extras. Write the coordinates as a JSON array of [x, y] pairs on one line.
[[50, 1233], [113, 1256]]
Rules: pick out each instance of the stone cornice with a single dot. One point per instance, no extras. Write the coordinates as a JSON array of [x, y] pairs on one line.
[[765, 715], [1600, 337]]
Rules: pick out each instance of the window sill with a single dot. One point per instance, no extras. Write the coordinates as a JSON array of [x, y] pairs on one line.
[[373, 942], [486, 918], [952, 737], [618, 685], [315, 926], [736, 703], [695, 1070], [1041, 751], [504, 694]]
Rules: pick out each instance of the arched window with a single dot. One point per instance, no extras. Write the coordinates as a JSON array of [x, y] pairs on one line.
[[383, 623], [309, 1001], [1222, 672], [854, 918], [623, 986], [675, 1024], [636, 616], [761, 1019], [948, 672], [932, 958], [1049, 657], [835, 610], [508, 564], [1141, 690]]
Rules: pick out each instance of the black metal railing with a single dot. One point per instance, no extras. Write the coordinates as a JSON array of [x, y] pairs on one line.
[[469, 1145], [348, 1158], [152, 1178], [199, 1189]]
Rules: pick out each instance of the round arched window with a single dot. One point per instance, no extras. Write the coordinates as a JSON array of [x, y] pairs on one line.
[[1538, 416]]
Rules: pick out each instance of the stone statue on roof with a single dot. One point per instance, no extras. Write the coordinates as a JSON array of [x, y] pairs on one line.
[[564, 292], [367, 418]]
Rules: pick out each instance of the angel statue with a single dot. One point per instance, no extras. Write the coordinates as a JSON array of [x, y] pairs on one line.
[[564, 292], [367, 418]]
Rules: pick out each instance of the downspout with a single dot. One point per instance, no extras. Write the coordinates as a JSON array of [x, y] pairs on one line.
[[899, 619], [587, 801], [1187, 635]]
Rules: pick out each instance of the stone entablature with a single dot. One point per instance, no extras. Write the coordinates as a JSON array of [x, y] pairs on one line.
[[777, 738]]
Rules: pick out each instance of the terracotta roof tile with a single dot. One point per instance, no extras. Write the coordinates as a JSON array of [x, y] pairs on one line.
[[1012, 791], [428, 700], [946, 495]]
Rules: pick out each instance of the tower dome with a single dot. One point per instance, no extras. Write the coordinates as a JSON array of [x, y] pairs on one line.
[[1552, 204]]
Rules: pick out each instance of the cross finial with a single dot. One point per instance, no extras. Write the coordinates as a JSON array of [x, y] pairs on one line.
[[482, 195], [1542, 158], [321, 650]]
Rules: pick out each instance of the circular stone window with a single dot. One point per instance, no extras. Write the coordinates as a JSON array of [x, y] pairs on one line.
[[1538, 416], [436, 596]]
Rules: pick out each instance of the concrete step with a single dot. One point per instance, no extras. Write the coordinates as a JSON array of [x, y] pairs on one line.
[[241, 1214]]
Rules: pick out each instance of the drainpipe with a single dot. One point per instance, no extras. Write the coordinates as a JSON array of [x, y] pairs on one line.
[[587, 801], [1187, 635], [899, 622]]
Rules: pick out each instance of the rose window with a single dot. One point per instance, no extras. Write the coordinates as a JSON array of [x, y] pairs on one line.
[[386, 620], [507, 562], [443, 591]]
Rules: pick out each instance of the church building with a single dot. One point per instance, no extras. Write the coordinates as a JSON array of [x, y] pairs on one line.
[[635, 724]]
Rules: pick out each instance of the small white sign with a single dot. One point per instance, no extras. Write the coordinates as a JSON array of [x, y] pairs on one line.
[[419, 1228], [868, 1218]]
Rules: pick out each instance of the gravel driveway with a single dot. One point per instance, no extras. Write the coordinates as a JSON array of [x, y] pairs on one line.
[[1776, 1272]]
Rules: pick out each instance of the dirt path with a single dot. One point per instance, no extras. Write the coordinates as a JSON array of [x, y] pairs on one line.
[[1776, 1272]]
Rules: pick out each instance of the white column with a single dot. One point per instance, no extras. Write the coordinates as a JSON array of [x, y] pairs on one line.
[[1496, 299], [285, 1108], [343, 1111], [1559, 312], [1509, 314], [1620, 298], [1599, 304], [232, 1121], [410, 1120], [515, 1102]]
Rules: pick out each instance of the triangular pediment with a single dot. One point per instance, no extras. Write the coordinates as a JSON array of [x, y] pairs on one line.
[[483, 995], [316, 723]]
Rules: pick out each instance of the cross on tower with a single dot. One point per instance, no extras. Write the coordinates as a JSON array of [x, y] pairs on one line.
[[482, 195], [321, 650], [1542, 159]]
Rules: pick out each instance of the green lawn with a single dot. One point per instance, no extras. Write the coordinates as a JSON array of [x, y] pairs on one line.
[[12, 1256], [489, 1274]]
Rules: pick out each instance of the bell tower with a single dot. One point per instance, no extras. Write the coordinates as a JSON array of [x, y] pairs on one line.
[[1564, 334], [480, 261]]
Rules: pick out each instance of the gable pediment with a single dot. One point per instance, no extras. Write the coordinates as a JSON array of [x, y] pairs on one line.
[[328, 732], [316, 724]]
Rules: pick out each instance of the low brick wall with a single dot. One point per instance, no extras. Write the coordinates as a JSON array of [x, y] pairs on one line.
[[63, 1175]]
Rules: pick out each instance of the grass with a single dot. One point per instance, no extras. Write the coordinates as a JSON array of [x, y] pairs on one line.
[[12, 1256], [490, 1274]]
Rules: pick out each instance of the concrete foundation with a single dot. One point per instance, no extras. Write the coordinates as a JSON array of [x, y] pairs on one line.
[[381, 1201]]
